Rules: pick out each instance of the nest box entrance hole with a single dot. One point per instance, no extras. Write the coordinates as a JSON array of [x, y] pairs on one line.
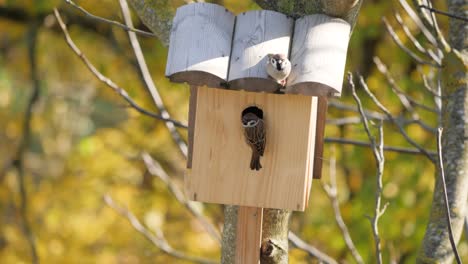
[[254, 110]]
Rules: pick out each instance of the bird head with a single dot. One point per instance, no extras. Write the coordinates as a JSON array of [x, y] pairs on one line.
[[278, 61]]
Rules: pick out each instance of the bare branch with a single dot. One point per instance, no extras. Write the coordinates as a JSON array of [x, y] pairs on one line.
[[347, 107], [435, 25], [377, 150], [120, 91], [406, 100], [332, 192], [111, 22], [158, 240], [408, 33], [444, 189], [18, 161], [148, 81], [376, 115], [428, 87], [367, 144], [433, 10], [311, 250], [394, 121], [156, 170], [418, 22], [400, 44], [352, 120]]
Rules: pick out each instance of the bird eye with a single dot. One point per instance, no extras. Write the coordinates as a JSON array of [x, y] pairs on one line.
[[273, 61]]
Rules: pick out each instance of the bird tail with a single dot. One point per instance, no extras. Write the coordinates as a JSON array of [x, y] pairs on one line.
[[255, 161]]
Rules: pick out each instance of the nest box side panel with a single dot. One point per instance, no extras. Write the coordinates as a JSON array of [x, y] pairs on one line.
[[311, 155], [257, 33], [220, 164], [318, 55], [200, 44]]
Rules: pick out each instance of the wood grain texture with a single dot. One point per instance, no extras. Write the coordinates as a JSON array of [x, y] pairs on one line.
[[320, 135], [248, 235], [311, 143], [200, 44], [318, 55], [257, 33], [221, 157]]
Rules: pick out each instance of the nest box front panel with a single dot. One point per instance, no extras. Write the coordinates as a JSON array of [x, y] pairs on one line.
[[220, 164]]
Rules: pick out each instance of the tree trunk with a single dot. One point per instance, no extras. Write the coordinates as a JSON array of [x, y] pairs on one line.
[[157, 15], [436, 246]]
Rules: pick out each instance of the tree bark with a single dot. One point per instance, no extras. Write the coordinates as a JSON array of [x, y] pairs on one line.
[[157, 16], [436, 247]]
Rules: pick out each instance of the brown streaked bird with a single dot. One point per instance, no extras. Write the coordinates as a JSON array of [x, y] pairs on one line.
[[255, 135], [278, 67]]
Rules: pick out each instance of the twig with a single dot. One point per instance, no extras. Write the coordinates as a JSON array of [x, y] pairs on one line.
[[405, 99], [352, 120], [433, 10], [158, 240], [18, 161], [408, 33], [413, 39], [437, 100], [400, 44], [120, 91], [347, 107], [367, 144], [155, 169], [148, 81], [435, 26], [444, 188], [418, 22], [377, 150], [332, 193], [394, 121], [429, 88], [376, 115], [311, 250], [108, 21]]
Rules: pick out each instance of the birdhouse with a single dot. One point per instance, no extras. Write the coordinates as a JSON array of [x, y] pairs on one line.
[[223, 58]]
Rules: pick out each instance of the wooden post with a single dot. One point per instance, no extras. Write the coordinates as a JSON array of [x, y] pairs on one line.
[[249, 235]]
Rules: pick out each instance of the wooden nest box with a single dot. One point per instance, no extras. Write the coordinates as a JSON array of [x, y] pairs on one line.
[[223, 58]]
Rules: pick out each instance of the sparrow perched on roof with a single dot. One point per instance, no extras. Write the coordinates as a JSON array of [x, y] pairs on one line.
[[278, 67], [254, 132]]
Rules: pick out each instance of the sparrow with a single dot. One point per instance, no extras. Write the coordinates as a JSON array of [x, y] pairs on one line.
[[254, 132], [278, 67]]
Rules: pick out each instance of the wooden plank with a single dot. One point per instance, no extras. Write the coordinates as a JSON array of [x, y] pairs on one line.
[[220, 166], [200, 44], [191, 123], [318, 55], [257, 33], [311, 151], [248, 235], [320, 134]]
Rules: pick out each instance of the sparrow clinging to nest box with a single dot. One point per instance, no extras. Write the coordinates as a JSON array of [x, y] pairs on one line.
[[255, 135], [278, 67]]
